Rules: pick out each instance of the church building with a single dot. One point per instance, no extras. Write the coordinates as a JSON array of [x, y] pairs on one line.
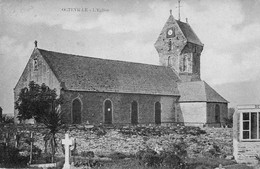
[[118, 92]]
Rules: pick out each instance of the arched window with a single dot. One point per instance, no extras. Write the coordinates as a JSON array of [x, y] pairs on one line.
[[184, 64], [157, 113], [76, 111], [134, 112], [217, 114], [169, 61], [108, 112]]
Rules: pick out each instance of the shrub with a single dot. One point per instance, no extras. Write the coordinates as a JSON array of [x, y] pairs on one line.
[[10, 155], [172, 160], [89, 154], [148, 157], [99, 130], [195, 131]]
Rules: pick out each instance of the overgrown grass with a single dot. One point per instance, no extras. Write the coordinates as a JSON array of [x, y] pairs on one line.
[[198, 163]]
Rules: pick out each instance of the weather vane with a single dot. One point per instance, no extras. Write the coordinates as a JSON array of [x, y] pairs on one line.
[[179, 9]]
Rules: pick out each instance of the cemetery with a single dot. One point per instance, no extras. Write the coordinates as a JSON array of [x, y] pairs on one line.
[[142, 146]]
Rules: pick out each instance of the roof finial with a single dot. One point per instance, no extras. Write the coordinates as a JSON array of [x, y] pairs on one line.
[[170, 12], [35, 43]]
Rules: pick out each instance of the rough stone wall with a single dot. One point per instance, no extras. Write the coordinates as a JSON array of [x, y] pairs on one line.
[[42, 75], [211, 113], [192, 113], [93, 107]]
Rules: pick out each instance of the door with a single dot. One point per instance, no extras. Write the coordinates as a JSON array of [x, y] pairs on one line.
[[108, 112]]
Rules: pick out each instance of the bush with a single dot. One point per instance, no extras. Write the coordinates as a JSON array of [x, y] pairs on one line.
[[148, 157], [10, 155], [99, 130], [172, 160], [89, 154], [195, 131]]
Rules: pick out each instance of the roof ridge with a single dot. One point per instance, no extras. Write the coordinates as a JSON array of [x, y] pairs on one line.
[[95, 74], [207, 85], [74, 55]]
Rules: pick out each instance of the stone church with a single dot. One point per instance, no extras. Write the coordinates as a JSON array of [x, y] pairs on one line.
[[118, 92]]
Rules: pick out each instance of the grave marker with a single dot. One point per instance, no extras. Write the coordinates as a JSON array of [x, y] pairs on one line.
[[67, 143]]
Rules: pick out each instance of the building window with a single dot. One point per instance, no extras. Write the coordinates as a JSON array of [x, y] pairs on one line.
[[157, 113], [76, 111], [35, 64], [250, 125], [169, 60], [108, 112], [217, 114], [134, 112]]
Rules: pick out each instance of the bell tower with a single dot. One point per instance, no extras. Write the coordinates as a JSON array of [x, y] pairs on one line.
[[179, 48]]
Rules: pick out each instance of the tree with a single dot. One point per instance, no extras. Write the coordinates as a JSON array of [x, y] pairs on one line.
[[42, 104], [229, 119], [36, 102]]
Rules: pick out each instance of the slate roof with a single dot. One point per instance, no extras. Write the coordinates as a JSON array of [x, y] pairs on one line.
[[199, 91], [189, 33], [82, 73]]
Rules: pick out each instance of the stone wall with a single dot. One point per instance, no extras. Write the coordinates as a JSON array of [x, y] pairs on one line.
[[211, 113], [43, 74], [192, 113], [93, 106]]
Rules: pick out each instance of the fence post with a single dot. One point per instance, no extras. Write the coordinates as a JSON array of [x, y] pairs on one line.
[[31, 148]]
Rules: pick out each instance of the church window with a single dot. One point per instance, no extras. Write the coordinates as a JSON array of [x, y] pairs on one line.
[[76, 111], [169, 61], [35, 64], [217, 114], [157, 113], [250, 125], [134, 112], [108, 110], [184, 64]]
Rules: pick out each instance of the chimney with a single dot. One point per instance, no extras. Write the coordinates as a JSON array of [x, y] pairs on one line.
[[186, 20]]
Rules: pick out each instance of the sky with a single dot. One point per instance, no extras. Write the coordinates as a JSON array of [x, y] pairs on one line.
[[127, 30]]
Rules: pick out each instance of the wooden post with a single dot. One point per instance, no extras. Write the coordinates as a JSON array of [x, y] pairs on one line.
[[31, 148]]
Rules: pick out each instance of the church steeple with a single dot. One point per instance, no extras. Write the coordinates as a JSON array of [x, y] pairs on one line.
[[180, 48]]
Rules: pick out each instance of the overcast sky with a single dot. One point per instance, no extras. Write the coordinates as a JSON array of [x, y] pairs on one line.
[[127, 30]]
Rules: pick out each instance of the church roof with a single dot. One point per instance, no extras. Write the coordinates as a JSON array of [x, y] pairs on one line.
[[82, 73], [189, 33], [199, 91]]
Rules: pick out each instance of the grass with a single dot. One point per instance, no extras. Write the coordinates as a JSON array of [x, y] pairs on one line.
[[196, 163]]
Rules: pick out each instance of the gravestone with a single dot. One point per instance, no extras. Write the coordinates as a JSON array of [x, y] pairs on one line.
[[67, 143]]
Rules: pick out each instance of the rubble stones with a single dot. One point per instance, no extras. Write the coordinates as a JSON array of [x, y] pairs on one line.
[[129, 140]]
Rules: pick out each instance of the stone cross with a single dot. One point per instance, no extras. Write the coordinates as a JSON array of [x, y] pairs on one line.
[[67, 143]]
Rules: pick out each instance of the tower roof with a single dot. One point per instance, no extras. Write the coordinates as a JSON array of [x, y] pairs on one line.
[[189, 33]]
